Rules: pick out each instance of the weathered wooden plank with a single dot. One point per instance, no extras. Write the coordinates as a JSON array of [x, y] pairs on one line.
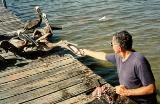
[[66, 92], [34, 63], [60, 96], [43, 77], [36, 70], [80, 99], [52, 88], [39, 84], [44, 81]]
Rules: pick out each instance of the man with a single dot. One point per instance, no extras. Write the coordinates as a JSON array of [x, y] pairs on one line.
[[134, 71]]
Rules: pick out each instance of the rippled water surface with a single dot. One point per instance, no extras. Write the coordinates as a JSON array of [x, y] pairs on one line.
[[81, 25]]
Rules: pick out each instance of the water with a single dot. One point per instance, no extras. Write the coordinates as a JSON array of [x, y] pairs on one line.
[[81, 25]]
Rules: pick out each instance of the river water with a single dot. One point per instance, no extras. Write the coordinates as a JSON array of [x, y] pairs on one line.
[[91, 23]]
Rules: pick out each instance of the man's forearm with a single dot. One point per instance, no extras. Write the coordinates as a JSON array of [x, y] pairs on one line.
[[146, 90], [97, 55]]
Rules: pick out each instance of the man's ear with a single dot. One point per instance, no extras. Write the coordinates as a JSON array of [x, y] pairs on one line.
[[120, 48]]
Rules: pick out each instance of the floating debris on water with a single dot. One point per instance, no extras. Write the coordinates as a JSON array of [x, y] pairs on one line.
[[103, 18]]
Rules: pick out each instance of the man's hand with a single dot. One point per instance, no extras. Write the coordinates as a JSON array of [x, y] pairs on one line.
[[98, 91], [122, 90], [145, 90]]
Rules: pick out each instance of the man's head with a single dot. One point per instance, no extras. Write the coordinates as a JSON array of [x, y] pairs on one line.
[[122, 41]]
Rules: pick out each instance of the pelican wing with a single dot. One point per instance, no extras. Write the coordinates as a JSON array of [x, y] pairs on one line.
[[32, 24]]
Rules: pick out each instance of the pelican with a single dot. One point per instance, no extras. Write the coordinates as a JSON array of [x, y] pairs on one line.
[[47, 30], [44, 32], [16, 45], [25, 38], [32, 24], [19, 42]]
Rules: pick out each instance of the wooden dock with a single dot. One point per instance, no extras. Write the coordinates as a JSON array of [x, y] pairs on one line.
[[54, 79]]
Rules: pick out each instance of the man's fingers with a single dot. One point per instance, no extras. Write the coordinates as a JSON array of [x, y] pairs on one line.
[[103, 88], [99, 91], [94, 93]]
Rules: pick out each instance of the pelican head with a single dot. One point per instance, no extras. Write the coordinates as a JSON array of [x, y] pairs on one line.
[[38, 10], [36, 7], [19, 32], [44, 15]]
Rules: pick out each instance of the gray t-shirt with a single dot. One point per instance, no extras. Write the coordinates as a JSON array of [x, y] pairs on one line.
[[133, 73]]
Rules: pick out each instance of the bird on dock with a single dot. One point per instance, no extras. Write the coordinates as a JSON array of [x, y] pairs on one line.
[[25, 38], [32, 24], [17, 44], [45, 32]]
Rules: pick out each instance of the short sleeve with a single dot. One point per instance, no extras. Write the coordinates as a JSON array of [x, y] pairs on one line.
[[144, 72], [111, 58]]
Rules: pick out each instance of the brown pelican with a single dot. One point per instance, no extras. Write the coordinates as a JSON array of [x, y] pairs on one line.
[[44, 33], [32, 24], [25, 38], [47, 30], [17, 44]]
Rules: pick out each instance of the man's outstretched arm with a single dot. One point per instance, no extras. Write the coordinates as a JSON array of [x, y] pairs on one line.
[[95, 54]]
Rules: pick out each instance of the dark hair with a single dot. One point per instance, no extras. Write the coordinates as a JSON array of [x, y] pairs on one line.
[[124, 38]]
